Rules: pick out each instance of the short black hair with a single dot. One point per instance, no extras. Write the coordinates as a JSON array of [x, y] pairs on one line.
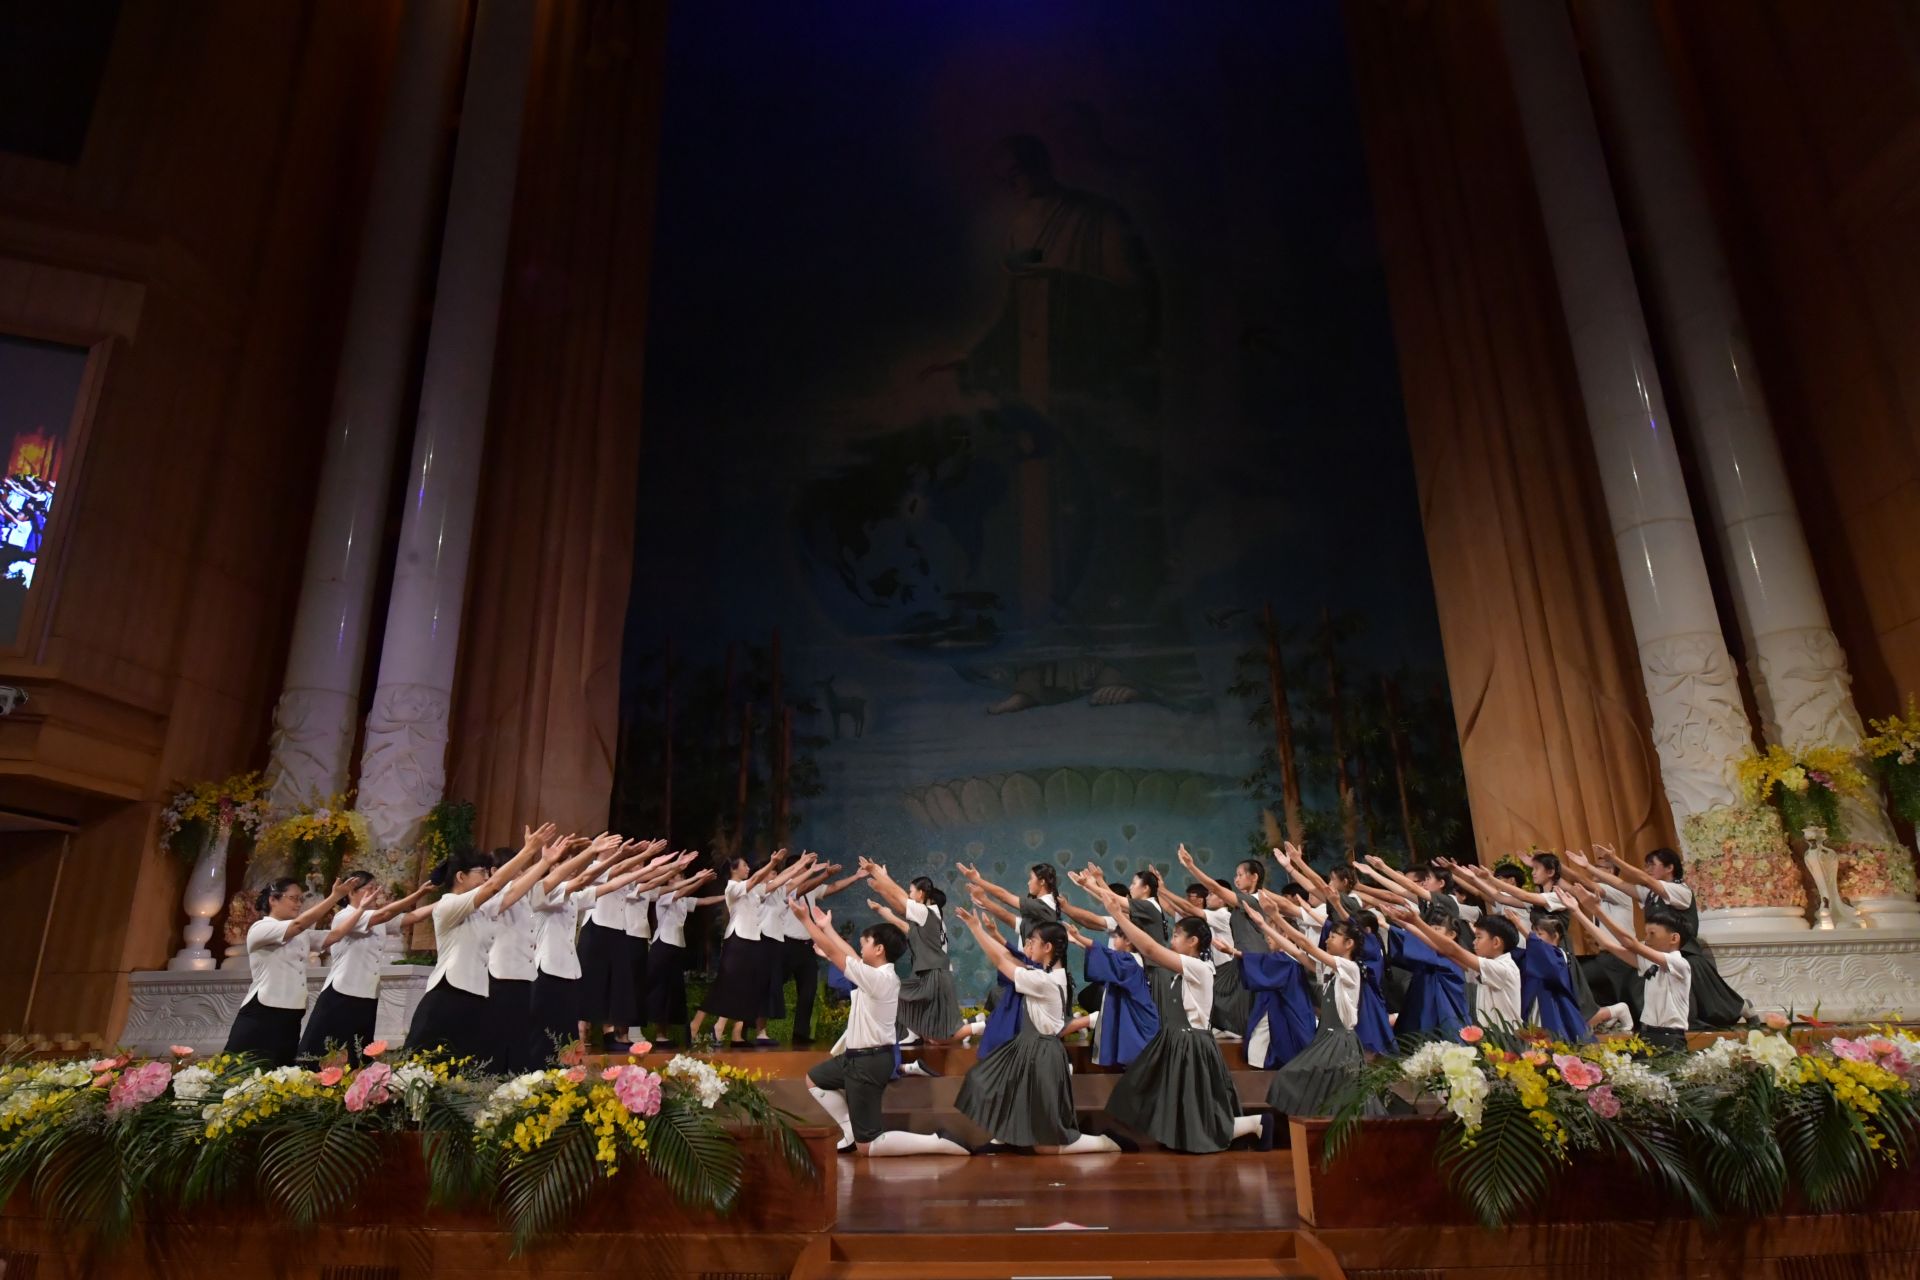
[[1196, 888], [1294, 889], [458, 861], [1351, 930], [1548, 862], [1673, 859], [1550, 923], [1259, 870], [1662, 914], [1499, 928], [1197, 930], [1149, 879], [271, 890], [1345, 871], [891, 940]]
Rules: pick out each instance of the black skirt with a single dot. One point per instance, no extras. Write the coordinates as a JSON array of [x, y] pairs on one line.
[[666, 984], [510, 1013], [1022, 1092], [340, 1022], [1178, 1092], [606, 976], [455, 1022], [556, 1015], [637, 967], [264, 1032], [739, 991]]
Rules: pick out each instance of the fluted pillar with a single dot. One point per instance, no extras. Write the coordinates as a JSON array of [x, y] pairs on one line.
[[1797, 668], [313, 722], [403, 770], [1700, 727]]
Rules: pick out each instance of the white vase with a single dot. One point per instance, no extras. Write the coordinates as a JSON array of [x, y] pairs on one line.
[[205, 894]]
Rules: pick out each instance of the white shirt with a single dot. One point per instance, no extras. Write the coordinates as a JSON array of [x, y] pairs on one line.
[[743, 911], [875, 1004], [462, 935], [638, 902], [610, 909], [515, 940], [1678, 896], [1616, 906], [1668, 990], [670, 912], [1196, 992], [1499, 980], [775, 916], [279, 964], [353, 962], [1220, 920], [556, 920], [1046, 993], [1345, 977]]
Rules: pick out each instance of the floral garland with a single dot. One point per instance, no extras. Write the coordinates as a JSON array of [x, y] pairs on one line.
[[1806, 784], [196, 813], [1894, 749], [306, 1138], [1739, 857], [1728, 1128]]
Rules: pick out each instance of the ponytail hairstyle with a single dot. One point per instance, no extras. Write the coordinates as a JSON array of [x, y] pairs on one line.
[[1549, 925], [1199, 932], [1257, 869], [502, 856], [1549, 863], [456, 862], [1345, 871], [934, 895], [1351, 930], [1055, 937], [737, 860], [1046, 875], [1366, 920], [1151, 880], [263, 901]]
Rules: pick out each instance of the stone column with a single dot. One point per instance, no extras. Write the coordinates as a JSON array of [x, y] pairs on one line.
[[1700, 727], [403, 770], [313, 722], [1799, 673]]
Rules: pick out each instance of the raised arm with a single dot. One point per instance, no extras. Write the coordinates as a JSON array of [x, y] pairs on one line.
[[1442, 943], [536, 871], [843, 883], [820, 928], [317, 912], [1377, 869], [884, 884], [537, 839], [973, 875], [990, 945], [1143, 942], [984, 902], [1305, 944], [1208, 882], [400, 906], [348, 919], [887, 913], [580, 853], [1578, 909], [1625, 940]]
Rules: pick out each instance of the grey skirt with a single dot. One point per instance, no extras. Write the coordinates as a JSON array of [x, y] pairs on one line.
[[1231, 1001], [1022, 1093], [1315, 1077], [930, 1005], [1178, 1093]]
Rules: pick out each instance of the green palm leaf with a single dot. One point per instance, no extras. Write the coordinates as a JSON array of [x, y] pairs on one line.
[[82, 1183], [689, 1150], [1826, 1148], [1660, 1157], [543, 1188], [458, 1172], [313, 1161], [1503, 1168]]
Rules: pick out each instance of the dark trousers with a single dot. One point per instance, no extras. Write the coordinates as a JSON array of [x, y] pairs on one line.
[[797, 961]]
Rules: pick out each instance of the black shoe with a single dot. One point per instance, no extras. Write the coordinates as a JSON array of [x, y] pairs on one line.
[[1125, 1143], [947, 1136], [846, 1148], [1000, 1149]]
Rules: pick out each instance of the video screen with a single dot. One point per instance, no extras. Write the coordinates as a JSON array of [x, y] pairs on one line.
[[39, 383]]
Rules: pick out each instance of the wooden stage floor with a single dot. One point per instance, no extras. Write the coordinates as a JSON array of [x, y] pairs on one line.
[[1154, 1191]]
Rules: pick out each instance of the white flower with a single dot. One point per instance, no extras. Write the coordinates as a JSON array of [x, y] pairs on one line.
[[1463, 1085], [1774, 1052], [190, 1084], [511, 1096], [707, 1083], [414, 1083], [1634, 1080]]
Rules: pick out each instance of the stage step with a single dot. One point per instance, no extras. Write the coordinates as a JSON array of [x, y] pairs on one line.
[[1081, 1254]]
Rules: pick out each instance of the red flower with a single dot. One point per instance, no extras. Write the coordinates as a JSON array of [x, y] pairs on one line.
[[1471, 1034]]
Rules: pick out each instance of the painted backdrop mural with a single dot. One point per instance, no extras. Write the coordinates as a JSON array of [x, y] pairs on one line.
[[1022, 430]]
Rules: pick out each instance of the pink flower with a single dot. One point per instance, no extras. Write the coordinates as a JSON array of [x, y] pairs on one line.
[[375, 1049], [1775, 1020], [1577, 1072], [1881, 1048], [639, 1047], [180, 1051], [369, 1088], [138, 1087], [1603, 1102], [1535, 1058], [107, 1064], [578, 1075], [1851, 1050], [639, 1092], [102, 1080], [331, 1076], [1471, 1034], [612, 1073]]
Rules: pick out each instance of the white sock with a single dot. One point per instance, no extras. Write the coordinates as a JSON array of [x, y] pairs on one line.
[[834, 1103], [1257, 1038], [1246, 1127], [1089, 1144], [913, 1069], [898, 1142], [912, 1037]]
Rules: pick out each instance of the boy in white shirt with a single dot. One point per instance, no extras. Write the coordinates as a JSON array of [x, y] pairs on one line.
[[1490, 966], [1668, 975], [851, 1085]]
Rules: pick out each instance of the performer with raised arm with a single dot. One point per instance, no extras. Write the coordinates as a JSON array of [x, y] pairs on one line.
[[1232, 1003], [278, 945], [1663, 964], [1314, 1077], [345, 1010], [1041, 905], [1127, 1017], [929, 1000], [1714, 1002]]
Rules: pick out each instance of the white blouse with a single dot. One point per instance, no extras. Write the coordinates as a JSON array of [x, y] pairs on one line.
[[1345, 976], [875, 1005], [353, 962], [670, 912], [746, 906], [609, 910], [515, 942], [1046, 998], [639, 901], [1196, 992], [462, 935], [1499, 980], [278, 963], [556, 919]]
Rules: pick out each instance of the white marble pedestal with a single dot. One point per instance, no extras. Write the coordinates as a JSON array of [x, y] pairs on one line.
[[196, 1009], [1838, 975]]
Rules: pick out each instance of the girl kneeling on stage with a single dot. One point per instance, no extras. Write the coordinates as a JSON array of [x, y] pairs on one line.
[[1021, 1089], [851, 1084]]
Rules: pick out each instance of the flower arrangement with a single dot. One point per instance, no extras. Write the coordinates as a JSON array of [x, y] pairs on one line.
[[447, 828], [1739, 857], [1726, 1129], [1894, 750], [195, 814], [92, 1140], [314, 841], [1874, 871], [1806, 784]]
